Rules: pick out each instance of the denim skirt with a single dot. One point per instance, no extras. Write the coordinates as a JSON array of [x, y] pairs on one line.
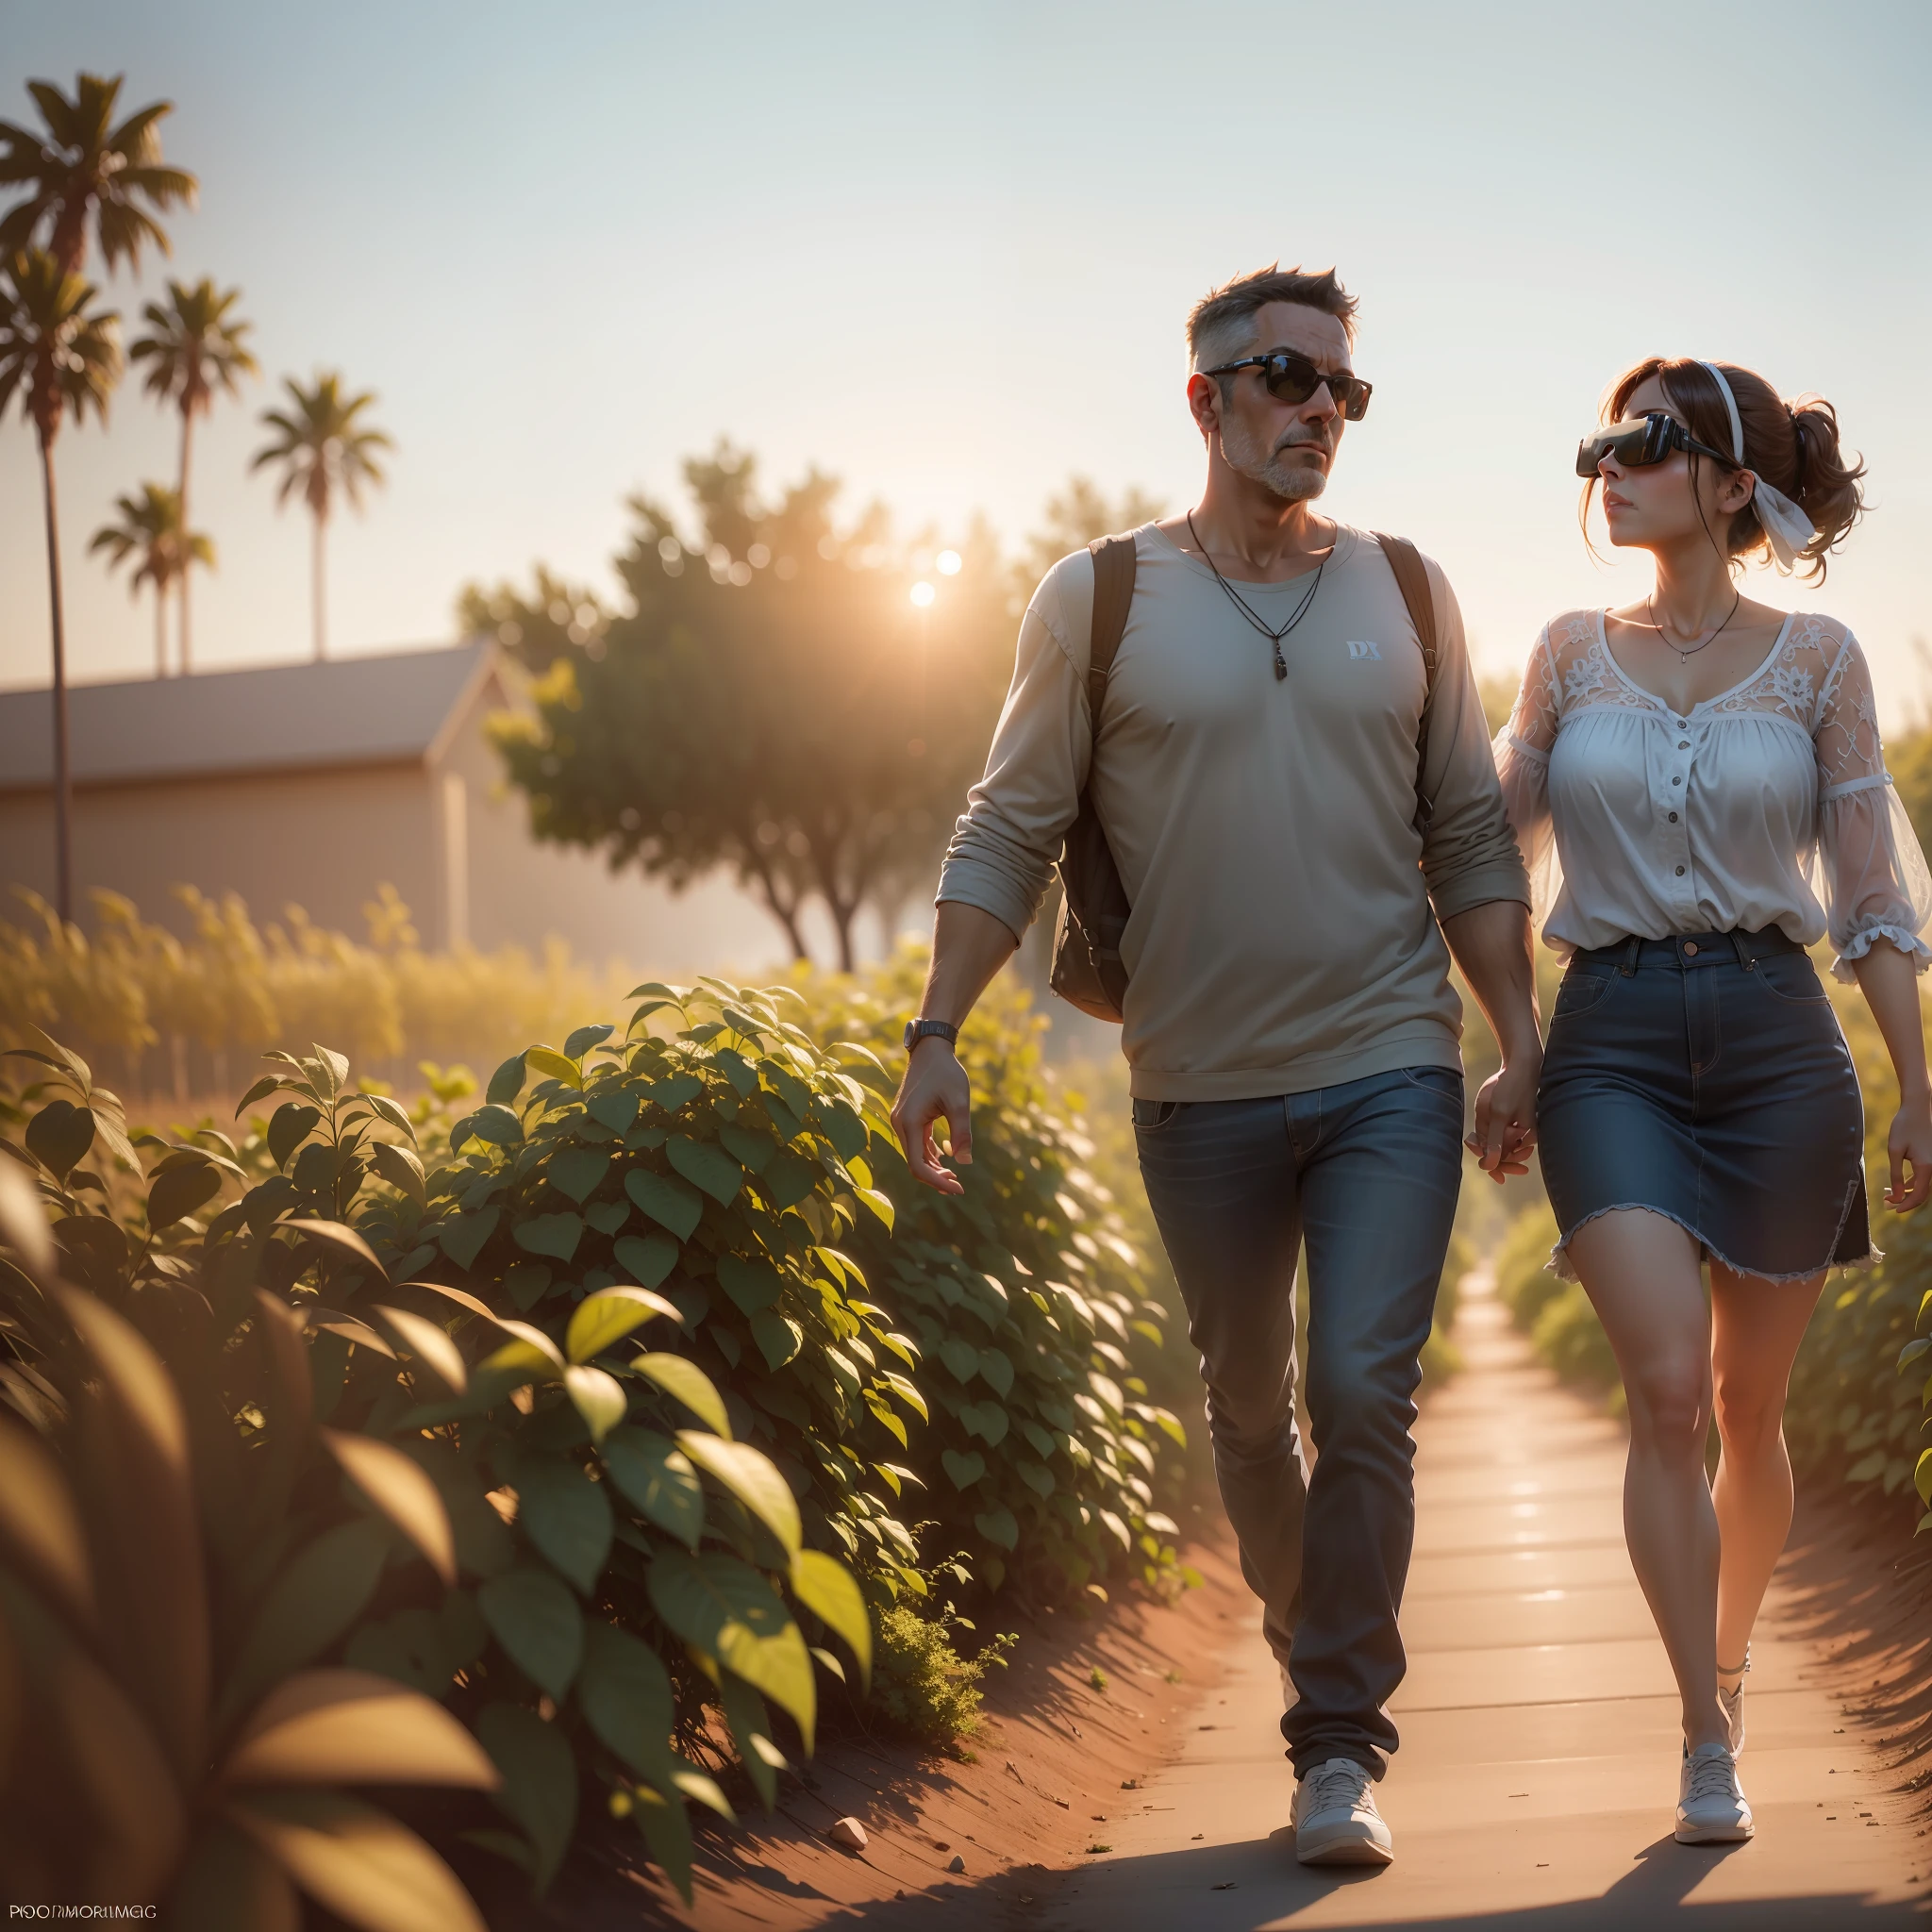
[[1704, 1078]]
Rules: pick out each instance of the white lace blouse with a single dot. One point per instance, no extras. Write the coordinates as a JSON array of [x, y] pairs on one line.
[[1768, 805]]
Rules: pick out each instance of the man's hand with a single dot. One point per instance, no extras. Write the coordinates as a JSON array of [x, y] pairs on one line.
[[1505, 1127], [935, 1087]]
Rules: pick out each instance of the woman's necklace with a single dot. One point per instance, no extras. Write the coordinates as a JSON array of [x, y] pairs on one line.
[[1686, 652], [1273, 637]]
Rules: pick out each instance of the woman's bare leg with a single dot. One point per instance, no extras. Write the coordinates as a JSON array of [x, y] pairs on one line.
[[1641, 1273], [1757, 1327]]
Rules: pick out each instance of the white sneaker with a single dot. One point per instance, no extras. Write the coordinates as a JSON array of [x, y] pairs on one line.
[[1336, 1822], [1711, 1805]]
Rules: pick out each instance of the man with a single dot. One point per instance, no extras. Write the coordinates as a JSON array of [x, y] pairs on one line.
[[1289, 1021]]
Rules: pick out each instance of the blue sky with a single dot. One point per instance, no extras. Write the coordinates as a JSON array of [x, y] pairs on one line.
[[946, 253]]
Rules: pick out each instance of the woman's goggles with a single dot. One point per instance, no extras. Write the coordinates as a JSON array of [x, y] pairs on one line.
[[1292, 379], [1641, 442]]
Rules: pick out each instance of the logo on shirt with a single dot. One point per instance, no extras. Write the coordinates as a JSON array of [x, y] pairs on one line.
[[1358, 648]]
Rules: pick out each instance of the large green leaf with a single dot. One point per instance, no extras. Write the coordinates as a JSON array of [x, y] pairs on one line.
[[554, 1235], [316, 1596], [751, 1282], [577, 1170], [666, 1199], [540, 1781], [602, 1320], [399, 1166], [777, 1336], [707, 1167], [666, 1829], [584, 1037], [615, 1108], [430, 1343], [647, 1258], [177, 1194], [565, 1514], [462, 1235], [688, 1384], [751, 1731], [625, 1695], [402, 1491], [731, 1612], [658, 1478], [546, 1059], [598, 1398], [360, 1863], [752, 1478], [998, 1527], [291, 1125], [961, 1357], [825, 1587], [964, 1470], [537, 1621], [997, 1371], [507, 1082]]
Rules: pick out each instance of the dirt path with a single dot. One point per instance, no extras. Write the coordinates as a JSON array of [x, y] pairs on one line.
[[1537, 1774]]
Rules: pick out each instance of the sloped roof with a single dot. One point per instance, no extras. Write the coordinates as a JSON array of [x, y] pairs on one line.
[[366, 710]]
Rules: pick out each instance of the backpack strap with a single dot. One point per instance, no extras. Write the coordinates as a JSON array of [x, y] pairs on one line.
[[1412, 580], [1113, 598]]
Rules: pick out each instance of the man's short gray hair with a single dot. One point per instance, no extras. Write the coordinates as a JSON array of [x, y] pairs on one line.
[[1221, 327]]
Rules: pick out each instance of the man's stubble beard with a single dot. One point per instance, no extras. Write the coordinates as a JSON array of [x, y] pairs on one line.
[[1291, 482]]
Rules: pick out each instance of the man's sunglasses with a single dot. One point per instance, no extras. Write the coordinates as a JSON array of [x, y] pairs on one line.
[[1292, 379], [1641, 442]]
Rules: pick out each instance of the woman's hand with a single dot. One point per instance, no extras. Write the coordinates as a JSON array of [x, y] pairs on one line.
[[1911, 1142]]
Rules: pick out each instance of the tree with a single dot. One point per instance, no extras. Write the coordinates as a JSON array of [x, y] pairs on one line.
[[538, 629], [154, 530], [82, 164], [774, 701], [195, 347], [322, 449], [1075, 518], [58, 353]]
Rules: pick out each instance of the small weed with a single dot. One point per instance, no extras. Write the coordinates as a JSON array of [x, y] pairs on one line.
[[1099, 1848], [1173, 1676], [1097, 1677], [922, 1685]]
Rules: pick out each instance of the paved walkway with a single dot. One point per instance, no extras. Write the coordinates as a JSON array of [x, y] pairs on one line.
[[1537, 1775]]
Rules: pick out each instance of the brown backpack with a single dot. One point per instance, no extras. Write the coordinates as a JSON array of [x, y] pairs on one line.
[[1088, 970]]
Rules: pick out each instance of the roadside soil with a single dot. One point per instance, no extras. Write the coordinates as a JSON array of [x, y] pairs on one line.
[[1057, 1763]]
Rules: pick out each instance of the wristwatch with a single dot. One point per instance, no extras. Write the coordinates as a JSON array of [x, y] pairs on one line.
[[917, 1030]]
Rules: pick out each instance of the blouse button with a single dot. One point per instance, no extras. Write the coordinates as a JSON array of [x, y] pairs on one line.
[[1676, 781], [1673, 818], [1680, 872], [1683, 745]]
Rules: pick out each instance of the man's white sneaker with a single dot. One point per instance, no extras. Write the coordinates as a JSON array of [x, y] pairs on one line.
[[1711, 1805], [1336, 1822]]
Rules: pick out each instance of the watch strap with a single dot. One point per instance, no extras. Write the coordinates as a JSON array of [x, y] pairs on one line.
[[917, 1030]]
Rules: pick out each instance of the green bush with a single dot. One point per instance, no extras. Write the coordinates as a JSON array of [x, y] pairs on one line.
[[1523, 1280], [181, 1546], [922, 1686], [1025, 1296]]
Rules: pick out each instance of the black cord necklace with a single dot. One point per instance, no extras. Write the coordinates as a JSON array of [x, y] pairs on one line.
[[1684, 652], [1241, 603]]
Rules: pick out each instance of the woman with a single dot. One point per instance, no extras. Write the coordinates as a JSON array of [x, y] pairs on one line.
[[1700, 790]]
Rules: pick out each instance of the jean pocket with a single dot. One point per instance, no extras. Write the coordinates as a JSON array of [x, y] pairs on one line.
[[1149, 1116], [1791, 977], [1435, 1080], [1582, 992]]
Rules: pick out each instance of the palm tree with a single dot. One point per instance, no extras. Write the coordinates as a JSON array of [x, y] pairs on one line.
[[195, 347], [153, 528], [57, 353], [83, 165], [322, 449]]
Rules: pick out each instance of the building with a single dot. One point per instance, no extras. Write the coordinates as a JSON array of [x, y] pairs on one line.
[[313, 784]]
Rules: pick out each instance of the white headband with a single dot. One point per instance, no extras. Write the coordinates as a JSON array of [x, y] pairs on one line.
[[1787, 527]]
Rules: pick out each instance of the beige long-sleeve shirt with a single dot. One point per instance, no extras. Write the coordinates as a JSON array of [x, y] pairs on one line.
[[1281, 937]]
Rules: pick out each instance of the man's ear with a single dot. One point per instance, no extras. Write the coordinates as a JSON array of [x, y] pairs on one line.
[[1204, 402]]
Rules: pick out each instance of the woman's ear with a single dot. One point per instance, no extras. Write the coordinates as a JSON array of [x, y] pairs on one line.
[[1734, 491]]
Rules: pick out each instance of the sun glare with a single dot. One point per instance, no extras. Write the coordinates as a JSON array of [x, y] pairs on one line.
[[922, 593], [949, 563]]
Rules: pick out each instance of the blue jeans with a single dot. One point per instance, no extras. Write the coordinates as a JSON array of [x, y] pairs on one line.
[[1368, 1171]]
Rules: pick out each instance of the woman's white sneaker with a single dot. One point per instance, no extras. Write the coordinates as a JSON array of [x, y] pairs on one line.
[[1336, 1822], [1711, 1805]]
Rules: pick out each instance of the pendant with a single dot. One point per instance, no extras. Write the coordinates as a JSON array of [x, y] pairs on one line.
[[1280, 668]]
